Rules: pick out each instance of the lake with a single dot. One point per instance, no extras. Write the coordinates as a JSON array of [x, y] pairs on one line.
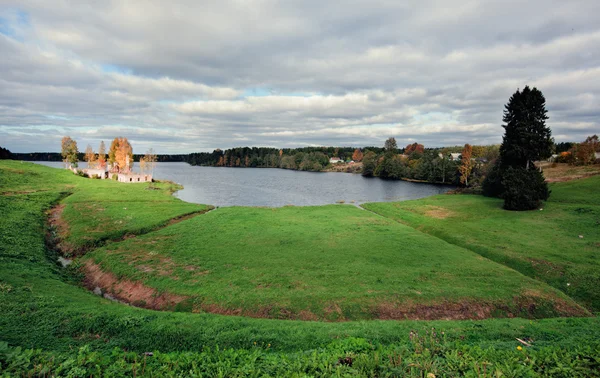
[[279, 187]]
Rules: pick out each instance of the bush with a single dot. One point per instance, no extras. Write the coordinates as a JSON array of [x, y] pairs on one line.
[[492, 185], [96, 177], [523, 189], [82, 174]]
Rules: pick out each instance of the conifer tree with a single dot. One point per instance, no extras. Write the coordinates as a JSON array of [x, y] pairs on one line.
[[526, 138]]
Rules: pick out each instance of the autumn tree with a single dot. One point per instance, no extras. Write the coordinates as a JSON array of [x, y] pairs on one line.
[[415, 147], [69, 151], [390, 144], [120, 154], [90, 156], [102, 155], [357, 155], [466, 166], [585, 153]]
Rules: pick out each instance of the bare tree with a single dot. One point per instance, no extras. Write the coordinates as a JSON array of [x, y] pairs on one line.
[[150, 160]]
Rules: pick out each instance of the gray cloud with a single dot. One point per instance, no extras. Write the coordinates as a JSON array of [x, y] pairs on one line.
[[195, 76]]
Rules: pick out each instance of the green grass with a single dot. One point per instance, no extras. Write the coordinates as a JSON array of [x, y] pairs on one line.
[[544, 245], [329, 262], [43, 307]]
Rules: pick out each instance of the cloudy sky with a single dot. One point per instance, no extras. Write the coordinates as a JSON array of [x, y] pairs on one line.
[[184, 76]]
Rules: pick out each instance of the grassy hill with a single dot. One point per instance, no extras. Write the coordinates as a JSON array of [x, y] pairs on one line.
[[51, 324]]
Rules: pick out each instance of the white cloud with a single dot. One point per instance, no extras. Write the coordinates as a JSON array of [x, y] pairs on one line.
[[190, 75]]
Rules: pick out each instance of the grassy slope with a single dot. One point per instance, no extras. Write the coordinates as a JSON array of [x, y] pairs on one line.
[[41, 307], [544, 245], [328, 262]]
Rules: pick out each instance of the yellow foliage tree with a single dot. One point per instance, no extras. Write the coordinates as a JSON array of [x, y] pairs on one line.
[[120, 155], [90, 156], [69, 151], [466, 166]]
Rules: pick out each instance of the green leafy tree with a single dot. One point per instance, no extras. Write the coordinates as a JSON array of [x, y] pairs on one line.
[[69, 151], [391, 145], [369, 163]]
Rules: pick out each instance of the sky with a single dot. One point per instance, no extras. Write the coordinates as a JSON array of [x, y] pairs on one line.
[[190, 76]]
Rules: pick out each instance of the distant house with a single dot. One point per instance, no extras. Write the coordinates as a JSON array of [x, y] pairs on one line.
[[132, 177], [335, 160], [553, 158], [453, 156]]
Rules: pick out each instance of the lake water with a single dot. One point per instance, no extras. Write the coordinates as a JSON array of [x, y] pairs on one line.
[[279, 187]]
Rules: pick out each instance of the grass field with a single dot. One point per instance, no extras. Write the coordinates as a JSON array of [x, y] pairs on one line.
[[559, 245], [75, 333], [333, 262]]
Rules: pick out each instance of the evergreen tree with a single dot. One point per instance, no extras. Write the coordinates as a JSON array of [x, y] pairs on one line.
[[5, 153], [526, 137]]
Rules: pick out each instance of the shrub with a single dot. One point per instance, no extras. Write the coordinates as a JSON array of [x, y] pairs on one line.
[[492, 185], [523, 189], [96, 177], [115, 176], [81, 173]]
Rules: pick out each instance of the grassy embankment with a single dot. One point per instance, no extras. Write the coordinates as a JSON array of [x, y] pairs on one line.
[[41, 306]]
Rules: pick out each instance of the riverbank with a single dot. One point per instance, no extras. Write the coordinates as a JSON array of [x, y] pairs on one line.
[[43, 306]]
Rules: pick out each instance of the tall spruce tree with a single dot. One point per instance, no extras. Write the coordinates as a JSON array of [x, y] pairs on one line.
[[526, 139]]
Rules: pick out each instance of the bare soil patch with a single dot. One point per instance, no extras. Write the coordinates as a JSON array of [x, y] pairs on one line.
[[61, 230], [522, 306], [562, 172], [135, 293], [438, 212]]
